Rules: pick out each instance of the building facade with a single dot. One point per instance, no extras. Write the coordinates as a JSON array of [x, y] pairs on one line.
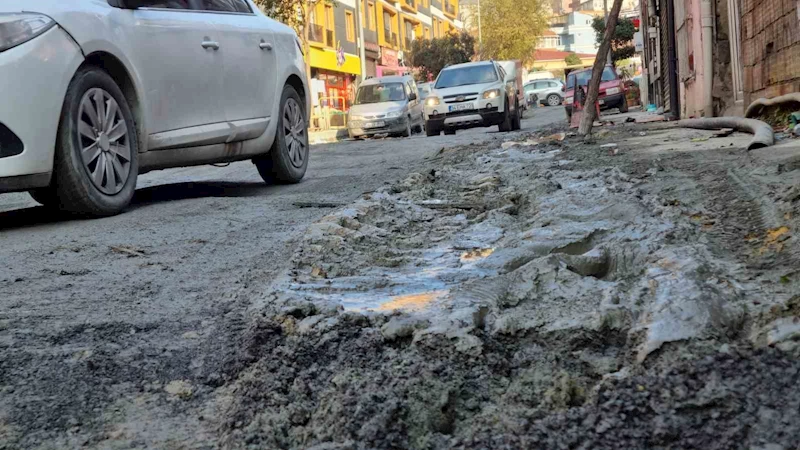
[[575, 33], [389, 28], [714, 57]]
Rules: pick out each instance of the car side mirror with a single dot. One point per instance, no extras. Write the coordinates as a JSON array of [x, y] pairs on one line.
[[412, 96], [563, 88]]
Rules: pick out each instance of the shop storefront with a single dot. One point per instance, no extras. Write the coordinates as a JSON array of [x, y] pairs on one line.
[[390, 64], [333, 86]]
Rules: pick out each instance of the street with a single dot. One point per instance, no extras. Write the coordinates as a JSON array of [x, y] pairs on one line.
[[486, 290], [96, 314]]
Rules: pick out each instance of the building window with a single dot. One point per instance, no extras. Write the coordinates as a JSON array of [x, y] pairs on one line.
[[351, 26], [370, 9], [409, 37]]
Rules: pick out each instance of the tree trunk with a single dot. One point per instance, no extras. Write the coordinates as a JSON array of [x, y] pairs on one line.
[[589, 112]]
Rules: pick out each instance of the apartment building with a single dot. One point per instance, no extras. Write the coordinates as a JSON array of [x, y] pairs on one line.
[[389, 28]]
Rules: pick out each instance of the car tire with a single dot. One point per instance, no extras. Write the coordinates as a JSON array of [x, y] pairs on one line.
[[287, 160], [505, 126], [96, 158], [553, 100], [408, 132], [516, 121], [623, 106], [431, 131]]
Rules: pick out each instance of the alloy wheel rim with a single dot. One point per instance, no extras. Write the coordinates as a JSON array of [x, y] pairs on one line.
[[553, 100], [103, 137], [295, 133]]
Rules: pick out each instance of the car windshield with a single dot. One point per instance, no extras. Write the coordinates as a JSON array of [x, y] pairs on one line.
[[584, 77], [380, 93], [463, 76]]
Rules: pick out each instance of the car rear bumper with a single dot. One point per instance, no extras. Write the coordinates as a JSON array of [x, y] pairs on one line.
[[466, 119], [34, 78], [391, 126]]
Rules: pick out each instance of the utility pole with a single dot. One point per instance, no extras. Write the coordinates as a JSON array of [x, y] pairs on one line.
[[361, 50]]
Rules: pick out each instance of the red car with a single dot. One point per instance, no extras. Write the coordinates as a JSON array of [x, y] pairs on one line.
[[612, 89]]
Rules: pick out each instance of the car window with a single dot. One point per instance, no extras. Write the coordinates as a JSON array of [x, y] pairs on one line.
[[584, 77], [463, 76], [540, 84], [380, 93], [239, 6], [553, 84], [529, 87], [165, 4]]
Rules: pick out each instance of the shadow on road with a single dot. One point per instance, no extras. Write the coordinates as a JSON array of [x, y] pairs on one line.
[[40, 215]]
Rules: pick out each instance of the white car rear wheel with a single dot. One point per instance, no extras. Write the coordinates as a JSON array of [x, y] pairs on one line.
[[287, 161]]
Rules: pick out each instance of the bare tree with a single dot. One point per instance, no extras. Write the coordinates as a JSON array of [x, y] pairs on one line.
[[589, 113]]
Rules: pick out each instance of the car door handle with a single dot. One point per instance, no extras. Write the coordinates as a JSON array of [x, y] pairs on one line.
[[210, 44], [265, 46]]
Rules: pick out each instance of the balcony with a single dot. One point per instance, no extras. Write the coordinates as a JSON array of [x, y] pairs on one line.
[[450, 9], [390, 38], [409, 5]]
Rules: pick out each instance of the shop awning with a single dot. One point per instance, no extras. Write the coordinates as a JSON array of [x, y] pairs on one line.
[[326, 59]]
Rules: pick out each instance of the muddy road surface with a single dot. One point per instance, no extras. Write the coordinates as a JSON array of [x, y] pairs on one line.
[[115, 333]]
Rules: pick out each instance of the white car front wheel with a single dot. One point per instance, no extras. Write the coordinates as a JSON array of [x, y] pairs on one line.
[[96, 160]]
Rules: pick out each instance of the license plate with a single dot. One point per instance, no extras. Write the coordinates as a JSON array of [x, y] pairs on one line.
[[602, 102], [374, 124], [462, 107]]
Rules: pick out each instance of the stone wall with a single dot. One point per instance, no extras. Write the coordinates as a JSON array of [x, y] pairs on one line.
[[770, 48]]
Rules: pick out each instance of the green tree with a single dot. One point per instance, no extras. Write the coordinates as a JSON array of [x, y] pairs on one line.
[[295, 13], [573, 60], [431, 56], [511, 28], [621, 42]]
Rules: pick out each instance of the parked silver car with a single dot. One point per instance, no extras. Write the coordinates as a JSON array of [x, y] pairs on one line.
[[96, 92], [550, 92], [386, 105]]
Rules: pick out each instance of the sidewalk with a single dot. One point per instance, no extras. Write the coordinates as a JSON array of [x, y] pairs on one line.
[[327, 136]]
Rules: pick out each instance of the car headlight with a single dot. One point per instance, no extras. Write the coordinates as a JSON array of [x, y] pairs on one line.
[[492, 93], [432, 101], [16, 29], [612, 91], [394, 114]]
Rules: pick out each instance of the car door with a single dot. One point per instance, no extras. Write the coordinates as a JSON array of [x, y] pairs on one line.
[[174, 51], [249, 74], [415, 106]]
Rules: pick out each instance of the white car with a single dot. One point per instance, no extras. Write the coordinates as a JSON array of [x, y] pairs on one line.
[[96, 92], [549, 92], [477, 94]]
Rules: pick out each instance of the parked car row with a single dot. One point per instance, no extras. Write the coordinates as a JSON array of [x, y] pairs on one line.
[[476, 94], [97, 92]]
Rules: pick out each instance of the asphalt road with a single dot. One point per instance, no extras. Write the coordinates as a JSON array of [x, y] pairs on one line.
[[97, 317]]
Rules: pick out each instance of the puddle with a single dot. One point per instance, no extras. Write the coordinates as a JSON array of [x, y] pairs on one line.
[[476, 255], [412, 302]]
